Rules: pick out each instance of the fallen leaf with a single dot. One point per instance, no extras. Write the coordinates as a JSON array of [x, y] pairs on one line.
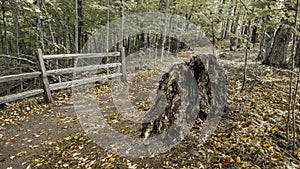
[[109, 166]]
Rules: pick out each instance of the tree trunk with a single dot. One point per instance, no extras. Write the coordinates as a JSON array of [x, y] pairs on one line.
[[234, 27], [172, 86], [170, 29], [227, 27], [64, 42], [223, 25], [51, 32], [141, 41], [293, 97], [246, 57], [254, 32], [277, 57], [268, 43], [148, 40], [297, 54], [16, 23], [121, 40], [19, 33], [128, 46], [78, 25], [2, 39], [141, 36], [213, 33], [162, 40], [107, 26], [5, 46], [262, 52], [40, 38], [71, 43]]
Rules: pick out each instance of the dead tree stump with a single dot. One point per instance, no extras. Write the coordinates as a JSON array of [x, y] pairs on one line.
[[194, 75]]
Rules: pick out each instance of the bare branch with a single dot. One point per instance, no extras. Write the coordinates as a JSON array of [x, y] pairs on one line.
[[244, 5], [18, 58]]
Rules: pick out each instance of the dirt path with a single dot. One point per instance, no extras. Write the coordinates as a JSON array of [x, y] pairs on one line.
[[250, 134], [33, 134]]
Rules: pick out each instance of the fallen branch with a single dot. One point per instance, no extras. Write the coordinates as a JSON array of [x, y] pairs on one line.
[[18, 58], [285, 70]]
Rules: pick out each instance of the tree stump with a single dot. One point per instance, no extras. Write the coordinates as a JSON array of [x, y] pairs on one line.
[[193, 72]]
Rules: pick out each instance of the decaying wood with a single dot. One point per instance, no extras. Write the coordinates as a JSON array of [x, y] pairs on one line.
[[170, 87]]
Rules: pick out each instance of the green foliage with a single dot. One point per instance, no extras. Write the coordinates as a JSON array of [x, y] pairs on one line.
[[58, 15]]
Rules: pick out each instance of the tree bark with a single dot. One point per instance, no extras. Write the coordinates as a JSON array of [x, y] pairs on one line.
[[234, 27], [227, 27], [268, 42], [19, 33], [5, 48], [51, 32], [162, 40], [262, 52], [121, 40], [141, 36], [297, 54], [246, 57], [128, 46], [40, 37], [254, 32], [171, 87], [223, 24], [76, 32], [107, 26], [293, 98], [148, 40], [141, 41], [277, 57]]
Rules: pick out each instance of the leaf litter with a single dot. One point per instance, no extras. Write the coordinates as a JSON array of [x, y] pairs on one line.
[[251, 134]]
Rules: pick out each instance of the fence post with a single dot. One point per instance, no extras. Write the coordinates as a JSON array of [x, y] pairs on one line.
[[124, 79], [47, 92]]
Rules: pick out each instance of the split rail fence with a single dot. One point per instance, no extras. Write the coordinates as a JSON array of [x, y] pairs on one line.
[[44, 74]]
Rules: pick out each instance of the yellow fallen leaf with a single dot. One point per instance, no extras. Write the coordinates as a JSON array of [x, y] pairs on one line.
[[266, 145], [76, 154], [274, 159], [65, 165], [111, 159], [227, 161], [109, 166], [238, 159], [117, 148], [22, 153], [275, 128]]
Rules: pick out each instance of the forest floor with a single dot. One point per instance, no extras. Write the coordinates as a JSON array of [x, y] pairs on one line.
[[251, 133]]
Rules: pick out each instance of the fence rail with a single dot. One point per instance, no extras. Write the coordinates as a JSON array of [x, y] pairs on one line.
[[14, 97], [82, 55], [19, 76], [73, 83], [44, 74], [82, 69]]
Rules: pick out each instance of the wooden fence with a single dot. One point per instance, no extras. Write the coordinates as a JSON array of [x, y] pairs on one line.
[[44, 74]]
